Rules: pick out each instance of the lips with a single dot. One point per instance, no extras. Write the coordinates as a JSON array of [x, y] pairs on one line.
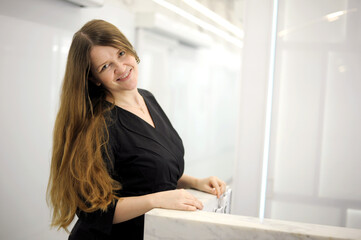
[[125, 76]]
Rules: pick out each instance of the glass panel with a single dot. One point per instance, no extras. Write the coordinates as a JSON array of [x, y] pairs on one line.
[[315, 153]]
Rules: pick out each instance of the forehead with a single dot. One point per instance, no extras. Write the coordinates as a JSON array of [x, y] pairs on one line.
[[100, 54]]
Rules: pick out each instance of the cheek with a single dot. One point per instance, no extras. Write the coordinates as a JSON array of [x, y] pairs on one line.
[[105, 77], [135, 68], [132, 61]]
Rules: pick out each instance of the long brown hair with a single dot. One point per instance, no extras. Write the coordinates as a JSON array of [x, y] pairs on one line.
[[79, 177]]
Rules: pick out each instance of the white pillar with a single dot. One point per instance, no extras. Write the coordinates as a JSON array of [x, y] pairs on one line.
[[254, 79]]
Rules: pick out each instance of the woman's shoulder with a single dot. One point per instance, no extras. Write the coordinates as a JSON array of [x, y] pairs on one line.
[[145, 93]]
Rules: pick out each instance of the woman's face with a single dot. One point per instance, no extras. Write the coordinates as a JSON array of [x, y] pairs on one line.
[[115, 69]]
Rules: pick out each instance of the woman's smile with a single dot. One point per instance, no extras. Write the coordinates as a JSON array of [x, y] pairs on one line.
[[125, 76]]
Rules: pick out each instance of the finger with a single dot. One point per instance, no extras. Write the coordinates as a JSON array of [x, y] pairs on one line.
[[189, 208], [195, 203], [209, 189], [206, 186], [223, 186], [198, 203], [216, 186]]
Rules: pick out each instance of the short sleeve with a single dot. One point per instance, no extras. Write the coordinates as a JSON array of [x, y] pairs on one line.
[[98, 222]]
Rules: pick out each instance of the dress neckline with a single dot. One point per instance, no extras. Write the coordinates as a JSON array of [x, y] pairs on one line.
[[148, 109]]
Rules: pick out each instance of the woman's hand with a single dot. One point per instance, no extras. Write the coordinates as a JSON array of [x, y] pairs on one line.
[[211, 185], [176, 199]]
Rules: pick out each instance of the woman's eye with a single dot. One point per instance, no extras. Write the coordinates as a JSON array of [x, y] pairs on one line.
[[121, 53], [105, 67]]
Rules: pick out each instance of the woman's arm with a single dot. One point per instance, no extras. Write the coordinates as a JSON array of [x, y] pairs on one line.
[[131, 207], [211, 185], [187, 182]]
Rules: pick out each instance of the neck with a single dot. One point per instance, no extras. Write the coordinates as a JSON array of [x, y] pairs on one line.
[[128, 98]]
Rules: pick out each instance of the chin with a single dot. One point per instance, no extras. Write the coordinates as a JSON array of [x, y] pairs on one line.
[[130, 87]]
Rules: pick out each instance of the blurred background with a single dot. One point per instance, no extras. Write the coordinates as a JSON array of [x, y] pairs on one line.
[[265, 95]]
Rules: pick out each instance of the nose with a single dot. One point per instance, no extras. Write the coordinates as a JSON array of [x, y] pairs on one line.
[[119, 67]]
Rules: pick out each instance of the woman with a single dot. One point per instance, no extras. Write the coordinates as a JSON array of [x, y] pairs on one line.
[[115, 153]]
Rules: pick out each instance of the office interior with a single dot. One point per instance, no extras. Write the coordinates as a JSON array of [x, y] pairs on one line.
[[265, 94]]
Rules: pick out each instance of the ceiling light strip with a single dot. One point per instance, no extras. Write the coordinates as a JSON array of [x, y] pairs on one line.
[[215, 17], [237, 42]]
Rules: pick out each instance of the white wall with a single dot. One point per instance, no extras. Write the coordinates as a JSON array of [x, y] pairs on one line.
[[35, 38], [34, 42]]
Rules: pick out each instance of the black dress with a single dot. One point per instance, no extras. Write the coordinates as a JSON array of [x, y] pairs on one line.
[[145, 159]]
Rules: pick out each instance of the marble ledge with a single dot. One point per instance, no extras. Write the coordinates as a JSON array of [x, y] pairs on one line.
[[181, 225]]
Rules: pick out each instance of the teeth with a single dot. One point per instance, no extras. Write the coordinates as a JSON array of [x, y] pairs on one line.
[[126, 75]]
